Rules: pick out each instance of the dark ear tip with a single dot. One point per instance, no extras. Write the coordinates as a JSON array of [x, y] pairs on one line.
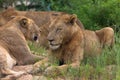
[[74, 15], [24, 19], [73, 18]]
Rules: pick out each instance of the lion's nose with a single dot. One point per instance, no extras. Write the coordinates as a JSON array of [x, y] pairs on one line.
[[35, 38], [50, 39]]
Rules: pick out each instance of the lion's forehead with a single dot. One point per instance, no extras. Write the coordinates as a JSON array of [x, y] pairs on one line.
[[31, 22], [21, 17], [57, 25]]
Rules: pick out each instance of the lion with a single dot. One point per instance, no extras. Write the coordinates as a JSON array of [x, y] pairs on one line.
[[69, 45], [13, 45], [42, 18], [63, 34]]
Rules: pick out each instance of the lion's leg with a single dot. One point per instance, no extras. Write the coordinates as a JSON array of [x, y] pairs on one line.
[[40, 66], [6, 64], [75, 61], [58, 70], [10, 74], [8, 71], [5, 70]]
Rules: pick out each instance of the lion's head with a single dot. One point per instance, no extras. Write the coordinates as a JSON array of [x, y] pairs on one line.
[[62, 29], [27, 27]]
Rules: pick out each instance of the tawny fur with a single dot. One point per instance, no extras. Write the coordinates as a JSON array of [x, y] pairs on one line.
[[95, 41], [106, 36], [13, 46], [71, 40]]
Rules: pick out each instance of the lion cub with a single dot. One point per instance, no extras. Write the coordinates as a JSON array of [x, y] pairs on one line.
[[13, 46]]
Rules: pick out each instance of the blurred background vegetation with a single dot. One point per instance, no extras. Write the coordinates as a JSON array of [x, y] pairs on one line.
[[94, 14]]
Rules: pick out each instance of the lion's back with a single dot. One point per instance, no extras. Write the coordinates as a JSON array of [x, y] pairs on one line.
[[106, 36], [92, 43]]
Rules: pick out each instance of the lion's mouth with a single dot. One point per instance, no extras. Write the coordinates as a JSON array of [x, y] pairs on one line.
[[54, 46]]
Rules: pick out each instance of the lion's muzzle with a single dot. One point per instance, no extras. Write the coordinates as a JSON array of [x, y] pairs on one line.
[[53, 45]]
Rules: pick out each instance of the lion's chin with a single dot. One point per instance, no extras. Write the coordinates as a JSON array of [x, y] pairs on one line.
[[54, 47]]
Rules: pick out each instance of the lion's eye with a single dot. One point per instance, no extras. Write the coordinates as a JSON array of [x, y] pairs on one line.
[[58, 30]]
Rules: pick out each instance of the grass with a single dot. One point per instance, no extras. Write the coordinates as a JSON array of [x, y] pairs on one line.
[[36, 49], [104, 67]]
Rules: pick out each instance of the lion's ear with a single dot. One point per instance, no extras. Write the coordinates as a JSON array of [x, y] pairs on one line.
[[72, 19], [24, 22]]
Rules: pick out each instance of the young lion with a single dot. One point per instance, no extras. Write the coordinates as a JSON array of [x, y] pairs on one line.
[[13, 46], [69, 44], [66, 42]]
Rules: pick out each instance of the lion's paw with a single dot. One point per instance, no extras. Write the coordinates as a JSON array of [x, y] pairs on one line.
[[51, 71], [36, 69]]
